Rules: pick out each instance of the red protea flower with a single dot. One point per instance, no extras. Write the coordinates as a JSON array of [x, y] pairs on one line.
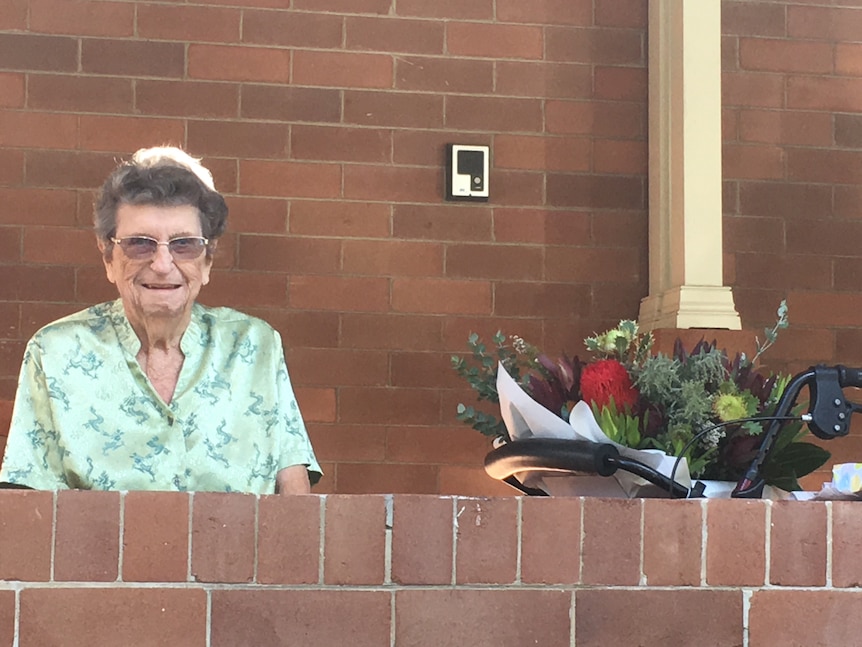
[[606, 379]]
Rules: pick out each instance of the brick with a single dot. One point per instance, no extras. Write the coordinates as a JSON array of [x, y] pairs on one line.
[[132, 58], [514, 225], [507, 618], [596, 191], [444, 222], [257, 215], [621, 228], [735, 545], [340, 144], [100, 616], [30, 52], [846, 203], [386, 478], [651, 617], [392, 258], [847, 277], [10, 316], [348, 443], [798, 544], [121, 134], [11, 90], [307, 256], [238, 139], [493, 40], [292, 29], [480, 523], [672, 558], [494, 114], [342, 69], [391, 183], [23, 283], [267, 4], [354, 537], [611, 541], [79, 94], [242, 289], [547, 12], [315, 329], [186, 98], [13, 15], [605, 118], [779, 55], [420, 368], [329, 617], [546, 153], [753, 19], [432, 74], [26, 527], [37, 206], [753, 162], [824, 93], [60, 245], [775, 617], [345, 6], [595, 46], [824, 309], [797, 231], [846, 541], [518, 188], [288, 540], [476, 10], [7, 617], [388, 109], [848, 59], [342, 366], [190, 23], [623, 157], [284, 103], [394, 35], [793, 201], [826, 23], [620, 83], [360, 330], [621, 13], [553, 80], [317, 405], [340, 219], [368, 405], [155, 537], [237, 63], [550, 549], [87, 536], [452, 446], [441, 296], [494, 262], [422, 540], [848, 131], [787, 127], [776, 271], [223, 537], [348, 294], [756, 89], [290, 179], [544, 300], [82, 18]]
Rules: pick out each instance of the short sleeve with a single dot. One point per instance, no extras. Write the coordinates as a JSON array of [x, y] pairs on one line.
[[294, 444]]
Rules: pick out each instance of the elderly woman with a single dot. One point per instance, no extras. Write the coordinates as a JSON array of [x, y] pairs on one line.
[[154, 391]]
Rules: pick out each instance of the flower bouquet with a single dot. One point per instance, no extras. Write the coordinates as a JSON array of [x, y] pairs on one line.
[[701, 405]]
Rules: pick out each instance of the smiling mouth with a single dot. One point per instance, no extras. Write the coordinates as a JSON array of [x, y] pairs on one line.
[[160, 286]]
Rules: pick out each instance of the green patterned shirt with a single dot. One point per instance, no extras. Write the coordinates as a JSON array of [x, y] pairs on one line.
[[86, 416]]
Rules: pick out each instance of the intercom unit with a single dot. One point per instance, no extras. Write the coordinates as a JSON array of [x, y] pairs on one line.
[[467, 172]]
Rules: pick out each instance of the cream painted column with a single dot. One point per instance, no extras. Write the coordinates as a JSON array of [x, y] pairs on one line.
[[685, 246]]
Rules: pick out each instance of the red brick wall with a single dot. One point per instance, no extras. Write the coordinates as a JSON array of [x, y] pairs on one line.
[[360, 570], [324, 125], [792, 154]]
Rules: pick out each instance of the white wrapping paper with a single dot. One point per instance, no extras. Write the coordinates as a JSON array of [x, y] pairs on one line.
[[526, 418]]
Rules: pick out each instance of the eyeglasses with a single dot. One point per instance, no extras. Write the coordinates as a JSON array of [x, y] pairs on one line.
[[140, 248]]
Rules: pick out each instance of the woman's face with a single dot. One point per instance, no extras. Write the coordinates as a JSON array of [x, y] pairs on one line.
[[159, 289]]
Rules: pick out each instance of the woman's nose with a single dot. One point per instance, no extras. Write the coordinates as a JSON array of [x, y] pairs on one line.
[[162, 259]]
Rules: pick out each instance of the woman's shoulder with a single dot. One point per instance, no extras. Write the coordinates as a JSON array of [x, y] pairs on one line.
[[92, 320], [227, 320]]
